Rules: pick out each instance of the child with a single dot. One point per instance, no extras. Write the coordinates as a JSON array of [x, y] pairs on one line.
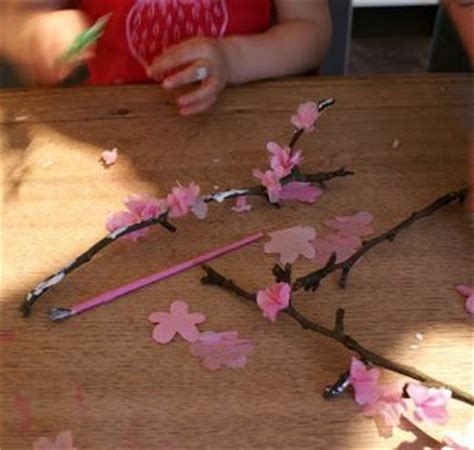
[[175, 42]]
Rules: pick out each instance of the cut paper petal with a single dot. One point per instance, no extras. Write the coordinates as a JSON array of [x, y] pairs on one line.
[[344, 247], [217, 350], [177, 321], [273, 299], [468, 292], [199, 208], [301, 191], [241, 205], [63, 442], [306, 116], [430, 403], [364, 382], [291, 243], [355, 225], [109, 157]]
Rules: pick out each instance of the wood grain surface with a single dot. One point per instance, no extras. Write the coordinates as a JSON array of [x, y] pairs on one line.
[[101, 376]]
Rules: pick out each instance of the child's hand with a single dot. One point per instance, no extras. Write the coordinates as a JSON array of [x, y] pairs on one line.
[[43, 39], [197, 59]]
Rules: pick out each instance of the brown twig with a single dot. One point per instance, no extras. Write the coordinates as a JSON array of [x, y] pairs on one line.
[[338, 334], [313, 279]]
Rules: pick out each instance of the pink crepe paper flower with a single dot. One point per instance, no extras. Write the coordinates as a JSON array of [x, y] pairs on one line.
[[344, 247], [455, 441], [271, 181], [387, 409], [109, 157], [364, 382], [273, 299], [177, 321], [468, 292], [140, 207], [430, 403], [291, 243], [301, 191], [182, 198], [221, 349], [62, 442], [241, 205], [355, 225], [283, 160], [306, 116]]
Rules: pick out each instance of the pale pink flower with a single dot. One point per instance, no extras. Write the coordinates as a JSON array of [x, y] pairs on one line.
[[109, 157], [221, 349], [62, 442], [140, 207], [301, 191], [430, 403], [455, 441], [241, 205], [364, 382], [468, 292], [291, 243], [177, 321], [306, 116], [273, 299], [199, 208], [387, 408], [355, 225], [271, 181], [344, 247], [182, 198], [283, 160]]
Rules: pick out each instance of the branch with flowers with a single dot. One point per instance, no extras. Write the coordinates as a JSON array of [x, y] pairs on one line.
[[283, 181], [279, 298]]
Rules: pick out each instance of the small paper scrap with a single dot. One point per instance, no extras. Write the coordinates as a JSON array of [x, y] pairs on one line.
[[395, 143], [62, 442], [109, 157], [177, 321], [218, 350], [292, 243], [241, 205]]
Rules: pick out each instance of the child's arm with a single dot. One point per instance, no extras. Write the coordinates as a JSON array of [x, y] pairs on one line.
[[35, 34], [296, 44]]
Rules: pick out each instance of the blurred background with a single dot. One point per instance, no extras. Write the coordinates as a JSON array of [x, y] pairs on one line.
[[385, 36]]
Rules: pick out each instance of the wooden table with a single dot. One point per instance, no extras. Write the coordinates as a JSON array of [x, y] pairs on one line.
[[101, 376]]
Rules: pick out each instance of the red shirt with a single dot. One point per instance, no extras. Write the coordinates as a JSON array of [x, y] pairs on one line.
[[140, 30]]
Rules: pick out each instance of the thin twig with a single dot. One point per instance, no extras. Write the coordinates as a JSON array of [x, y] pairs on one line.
[[313, 279], [338, 334]]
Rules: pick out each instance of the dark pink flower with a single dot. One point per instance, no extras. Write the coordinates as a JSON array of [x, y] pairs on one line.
[[177, 321], [468, 292], [271, 181], [182, 198], [283, 160], [301, 191], [430, 403], [273, 299], [364, 382], [306, 116]]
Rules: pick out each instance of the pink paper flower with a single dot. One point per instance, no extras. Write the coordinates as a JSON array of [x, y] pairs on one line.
[[387, 408], [430, 403], [301, 191], [140, 207], [109, 157], [344, 247], [221, 349], [241, 205], [468, 292], [182, 198], [306, 116], [291, 243], [283, 160], [355, 225], [273, 299], [62, 442], [364, 381], [177, 321], [271, 181], [455, 441]]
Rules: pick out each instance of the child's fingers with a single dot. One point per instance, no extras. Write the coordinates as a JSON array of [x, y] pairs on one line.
[[207, 89], [191, 74], [198, 107]]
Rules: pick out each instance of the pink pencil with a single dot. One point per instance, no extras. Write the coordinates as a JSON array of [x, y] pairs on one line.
[[106, 297]]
